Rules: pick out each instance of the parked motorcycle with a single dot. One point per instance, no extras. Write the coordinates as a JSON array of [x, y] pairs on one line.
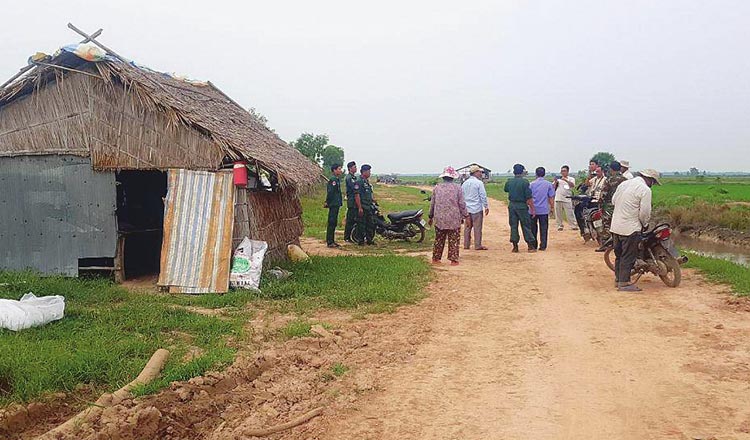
[[403, 225], [594, 219], [657, 254]]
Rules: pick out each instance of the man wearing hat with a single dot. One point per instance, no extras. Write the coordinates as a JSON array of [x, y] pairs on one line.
[[366, 209], [351, 203], [631, 216], [625, 169], [475, 196], [520, 208]]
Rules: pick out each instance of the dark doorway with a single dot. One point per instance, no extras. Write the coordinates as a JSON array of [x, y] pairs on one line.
[[140, 221]]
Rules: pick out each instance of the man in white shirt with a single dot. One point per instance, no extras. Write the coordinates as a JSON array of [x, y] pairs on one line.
[[563, 191], [625, 169], [632, 213], [475, 196]]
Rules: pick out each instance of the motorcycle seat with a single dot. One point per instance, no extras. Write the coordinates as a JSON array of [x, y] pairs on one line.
[[396, 216]]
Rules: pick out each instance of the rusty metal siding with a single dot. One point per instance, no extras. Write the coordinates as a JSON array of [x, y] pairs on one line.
[[197, 246], [53, 211]]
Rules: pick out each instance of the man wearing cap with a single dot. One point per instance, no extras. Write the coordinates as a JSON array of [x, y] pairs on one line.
[[520, 208], [631, 216], [366, 207], [614, 180], [333, 203], [475, 196], [351, 204], [626, 169]]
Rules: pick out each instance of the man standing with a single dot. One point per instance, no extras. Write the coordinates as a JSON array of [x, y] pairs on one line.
[[333, 203], [475, 196], [520, 205], [563, 191], [632, 213], [626, 169], [351, 205], [608, 191], [365, 207], [543, 195]]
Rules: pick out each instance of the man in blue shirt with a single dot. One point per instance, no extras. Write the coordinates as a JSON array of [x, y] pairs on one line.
[[476, 203], [543, 193]]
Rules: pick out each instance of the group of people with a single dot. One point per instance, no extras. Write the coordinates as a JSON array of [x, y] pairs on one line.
[[530, 204], [360, 205]]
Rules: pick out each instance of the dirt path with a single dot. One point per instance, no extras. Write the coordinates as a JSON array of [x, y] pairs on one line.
[[540, 346]]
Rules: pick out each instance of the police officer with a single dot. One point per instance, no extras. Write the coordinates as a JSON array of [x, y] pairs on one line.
[[365, 207], [333, 203], [520, 208], [351, 205]]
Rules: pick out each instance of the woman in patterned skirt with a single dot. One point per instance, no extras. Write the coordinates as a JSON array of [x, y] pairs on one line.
[[447, 211]]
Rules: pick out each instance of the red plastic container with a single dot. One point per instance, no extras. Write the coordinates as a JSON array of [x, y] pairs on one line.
[[239, 172]]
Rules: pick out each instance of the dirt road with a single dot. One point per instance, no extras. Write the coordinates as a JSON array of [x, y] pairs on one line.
[[541, 346]]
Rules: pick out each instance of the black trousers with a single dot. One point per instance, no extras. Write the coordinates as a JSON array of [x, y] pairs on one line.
[[626, 252], [540, 229], [351, 220], [333, 219]]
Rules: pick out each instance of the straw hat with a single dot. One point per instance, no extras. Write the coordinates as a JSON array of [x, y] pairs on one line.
[[625, 163], [474, 168], [449, 172], [648, 172]]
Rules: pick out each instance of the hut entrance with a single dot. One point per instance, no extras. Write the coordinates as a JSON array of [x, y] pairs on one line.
[[140, 222]]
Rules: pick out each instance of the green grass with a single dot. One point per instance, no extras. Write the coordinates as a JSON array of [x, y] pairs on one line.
[[371, 283], [107, 335], [338, 369], [721, 271]]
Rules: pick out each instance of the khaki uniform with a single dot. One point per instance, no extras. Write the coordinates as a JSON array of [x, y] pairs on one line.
[[518, 211]]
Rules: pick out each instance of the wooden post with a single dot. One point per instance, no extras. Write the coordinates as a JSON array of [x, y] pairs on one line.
[[120, 259], [93, 40]]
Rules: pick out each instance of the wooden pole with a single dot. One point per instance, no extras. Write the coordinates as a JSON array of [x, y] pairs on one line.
[[93, 40], [32, 66]]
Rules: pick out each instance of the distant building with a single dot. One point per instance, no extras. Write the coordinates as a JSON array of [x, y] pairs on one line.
[[464, 171]]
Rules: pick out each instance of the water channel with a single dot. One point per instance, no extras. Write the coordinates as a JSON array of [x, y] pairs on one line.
[[735, 254]]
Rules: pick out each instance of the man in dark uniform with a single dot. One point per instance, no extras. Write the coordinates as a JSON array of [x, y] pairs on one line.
[[351, 205], [520, 208], [333, 203], [365, 207], [608, 191]]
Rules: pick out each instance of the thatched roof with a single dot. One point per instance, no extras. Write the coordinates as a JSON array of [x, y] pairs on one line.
[[199, 106]]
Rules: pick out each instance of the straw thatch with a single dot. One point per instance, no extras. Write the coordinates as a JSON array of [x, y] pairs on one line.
[[129, 117], [272, 217]]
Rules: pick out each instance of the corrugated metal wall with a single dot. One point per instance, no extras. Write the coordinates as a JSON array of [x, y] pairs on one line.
[[53, 211], [197, 246]]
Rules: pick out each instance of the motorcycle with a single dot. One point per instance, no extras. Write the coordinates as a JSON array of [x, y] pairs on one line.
[[594, 218], [657, 254], [403, 225]]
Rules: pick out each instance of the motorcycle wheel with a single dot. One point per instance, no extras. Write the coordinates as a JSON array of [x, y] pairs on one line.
[[674, 274], [609, 258], [358, 235], [415, 230]]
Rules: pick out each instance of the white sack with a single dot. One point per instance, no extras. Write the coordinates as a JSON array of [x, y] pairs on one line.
[[247, 264], [30, 311]]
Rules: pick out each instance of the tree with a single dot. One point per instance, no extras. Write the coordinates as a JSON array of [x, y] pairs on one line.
[[311, 145], [603, 158], [332, 154], [259, 118]]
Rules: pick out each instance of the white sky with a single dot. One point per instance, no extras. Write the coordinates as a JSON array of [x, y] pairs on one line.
[[412, 86]]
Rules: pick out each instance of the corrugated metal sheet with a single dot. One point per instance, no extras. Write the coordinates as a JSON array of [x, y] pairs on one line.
[[53, 211], [197, 247]]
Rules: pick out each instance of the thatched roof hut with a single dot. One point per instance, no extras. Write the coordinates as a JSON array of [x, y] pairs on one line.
[[86, 117]]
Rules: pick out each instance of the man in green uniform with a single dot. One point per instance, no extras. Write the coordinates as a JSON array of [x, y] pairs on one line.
[[365, 207], [520, 208], [608, 190], [333, 203], [351, 205]]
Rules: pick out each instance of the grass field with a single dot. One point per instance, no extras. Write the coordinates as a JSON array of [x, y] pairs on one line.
[[721, 271], [108, 333]]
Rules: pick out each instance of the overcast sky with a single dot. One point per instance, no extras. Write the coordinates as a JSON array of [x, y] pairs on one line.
[[412, 86]]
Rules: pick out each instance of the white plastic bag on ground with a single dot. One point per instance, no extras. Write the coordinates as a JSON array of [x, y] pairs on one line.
[[247, 264], [30, 311]]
